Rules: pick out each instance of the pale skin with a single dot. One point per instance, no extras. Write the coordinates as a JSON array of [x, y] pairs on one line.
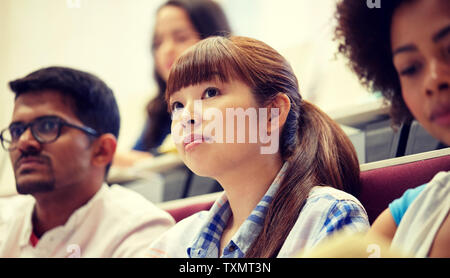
[[242, 171], [420, 41], [76, 165], [174, 33]]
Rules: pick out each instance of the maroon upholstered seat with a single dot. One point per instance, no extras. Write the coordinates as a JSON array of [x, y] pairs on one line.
[[383, 185], [380, 185]]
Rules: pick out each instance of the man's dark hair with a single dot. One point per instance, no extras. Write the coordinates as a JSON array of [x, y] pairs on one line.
[[364, 37], [94, 102]]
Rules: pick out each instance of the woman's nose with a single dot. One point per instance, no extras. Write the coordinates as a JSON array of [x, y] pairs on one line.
[[192, 114], [438, 77], [191, 119]]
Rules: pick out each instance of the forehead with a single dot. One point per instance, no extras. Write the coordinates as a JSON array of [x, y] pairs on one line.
[[231, 86], [31, 105], [170, 18], [416, 21]]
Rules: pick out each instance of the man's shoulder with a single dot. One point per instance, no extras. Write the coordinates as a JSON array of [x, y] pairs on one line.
[[13, 206], [125, 202], [127, 199]]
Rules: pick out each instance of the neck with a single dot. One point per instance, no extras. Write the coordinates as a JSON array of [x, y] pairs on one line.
[[245, 185], [53, 209]]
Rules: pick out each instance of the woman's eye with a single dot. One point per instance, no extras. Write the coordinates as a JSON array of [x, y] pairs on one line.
[[210, 92], [156, 43], [410, 70], [180, 39], [176, 106]]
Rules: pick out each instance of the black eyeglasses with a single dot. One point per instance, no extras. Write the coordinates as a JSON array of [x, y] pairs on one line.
[[44, 129]]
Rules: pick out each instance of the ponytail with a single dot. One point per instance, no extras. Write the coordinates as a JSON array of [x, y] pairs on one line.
[[323, 156]]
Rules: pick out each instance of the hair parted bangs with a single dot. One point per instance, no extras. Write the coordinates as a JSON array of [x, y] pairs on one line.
[[214, 58]]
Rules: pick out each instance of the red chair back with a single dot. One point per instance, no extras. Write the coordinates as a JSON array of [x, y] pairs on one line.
[[380, 185], [383, 185]]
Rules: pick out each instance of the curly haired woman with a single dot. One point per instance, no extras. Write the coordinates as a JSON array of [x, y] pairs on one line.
[[403, 50]]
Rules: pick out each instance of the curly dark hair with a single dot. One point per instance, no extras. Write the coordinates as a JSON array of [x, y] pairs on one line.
[[363, 36]]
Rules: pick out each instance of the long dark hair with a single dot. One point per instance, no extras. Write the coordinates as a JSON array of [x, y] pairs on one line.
[[318, 151], [208, 19]]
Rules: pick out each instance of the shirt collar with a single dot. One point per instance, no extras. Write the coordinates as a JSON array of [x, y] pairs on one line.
[[74, 220], [207, 242]]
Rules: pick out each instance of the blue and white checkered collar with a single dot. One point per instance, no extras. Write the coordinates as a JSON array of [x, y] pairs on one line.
[[207, 243]]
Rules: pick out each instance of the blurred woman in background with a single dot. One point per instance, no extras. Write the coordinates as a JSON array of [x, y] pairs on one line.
[[179, 25]]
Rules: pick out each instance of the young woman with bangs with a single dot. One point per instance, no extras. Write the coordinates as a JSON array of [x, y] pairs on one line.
[[275, 203]]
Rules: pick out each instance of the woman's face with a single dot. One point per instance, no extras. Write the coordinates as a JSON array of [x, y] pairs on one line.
[[174, 33], [420, 43], [215, 126]]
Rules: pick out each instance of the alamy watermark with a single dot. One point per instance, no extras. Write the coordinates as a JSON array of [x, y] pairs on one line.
[[220, 128], [374, 250], [373, 4], [74, 251]]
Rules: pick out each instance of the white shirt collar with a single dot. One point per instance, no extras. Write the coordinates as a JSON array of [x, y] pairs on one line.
[[74, 220]]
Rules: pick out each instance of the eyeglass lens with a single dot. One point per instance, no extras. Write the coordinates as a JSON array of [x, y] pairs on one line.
[[44, 130]]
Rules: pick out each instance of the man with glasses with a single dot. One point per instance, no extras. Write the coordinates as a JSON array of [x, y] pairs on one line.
[[61, 142]]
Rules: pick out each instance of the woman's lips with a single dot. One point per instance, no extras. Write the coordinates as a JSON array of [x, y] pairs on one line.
[[441, 115], [192, 140]]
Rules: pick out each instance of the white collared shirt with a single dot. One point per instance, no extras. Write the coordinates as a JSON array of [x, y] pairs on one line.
[[116, 222]]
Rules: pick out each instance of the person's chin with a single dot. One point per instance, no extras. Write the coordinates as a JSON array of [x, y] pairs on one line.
[[33, 184], [204, 168], [441, 133], [446, 138]]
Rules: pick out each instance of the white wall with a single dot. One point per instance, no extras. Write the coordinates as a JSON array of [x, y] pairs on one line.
[[301, 30], [6, 174], [109, 38]]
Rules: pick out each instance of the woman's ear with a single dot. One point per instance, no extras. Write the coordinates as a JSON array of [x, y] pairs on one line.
[[104, 148], [283, 103]]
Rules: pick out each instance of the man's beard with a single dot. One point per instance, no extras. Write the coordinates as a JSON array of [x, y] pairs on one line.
[[41, 185], [35, 187]]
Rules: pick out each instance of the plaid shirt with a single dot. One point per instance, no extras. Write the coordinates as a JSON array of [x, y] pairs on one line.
[[198, 236]]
